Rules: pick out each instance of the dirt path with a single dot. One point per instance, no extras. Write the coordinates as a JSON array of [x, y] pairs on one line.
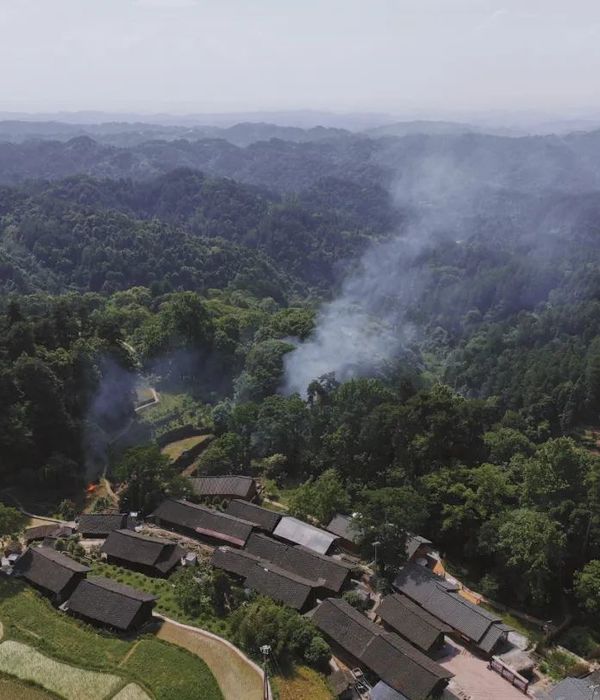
[[237, 676]]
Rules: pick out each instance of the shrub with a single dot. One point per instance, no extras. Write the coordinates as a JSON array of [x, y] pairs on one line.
[[317, 653], [356, 600]]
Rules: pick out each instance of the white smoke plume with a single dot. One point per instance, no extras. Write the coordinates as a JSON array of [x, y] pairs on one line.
[[369, 322]]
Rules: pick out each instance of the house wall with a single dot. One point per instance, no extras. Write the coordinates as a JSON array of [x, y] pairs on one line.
[[134, 566]]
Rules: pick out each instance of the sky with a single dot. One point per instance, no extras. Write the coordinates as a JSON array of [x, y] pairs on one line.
[[423, 57]]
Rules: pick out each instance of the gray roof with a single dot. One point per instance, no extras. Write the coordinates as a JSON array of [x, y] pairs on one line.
[[51, 570], [382, 691], [101, 524], [264, 577], [413, 542], [263, 518], [226, 486], [282, 586], [204, 521], [441, 598], [132, 547], [395, 661], [234, 561], [411, 621], [346, 527], [330, 573], [574, 689], [53, 531], [299, 532], [108, 602]]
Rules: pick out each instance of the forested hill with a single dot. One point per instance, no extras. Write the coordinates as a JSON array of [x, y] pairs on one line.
[[184, 230], [564, 163]]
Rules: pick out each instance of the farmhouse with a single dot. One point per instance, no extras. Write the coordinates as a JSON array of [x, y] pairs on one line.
[[401, 615], [200, 521], [264, 519], [150, 555], [53, 573], [298, 532], [111, 604], [359, 641], [441, 599], [346, 528], [52, 531], [101, 524], [331, 574], [231, 486], [266, 578]]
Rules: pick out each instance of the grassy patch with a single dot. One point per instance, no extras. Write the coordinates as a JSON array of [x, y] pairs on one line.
[[172, 673], [174, 450], [559, 664], [302, 683], [70, 682]]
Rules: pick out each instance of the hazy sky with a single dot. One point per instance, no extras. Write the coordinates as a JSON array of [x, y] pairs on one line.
[[231, 55]]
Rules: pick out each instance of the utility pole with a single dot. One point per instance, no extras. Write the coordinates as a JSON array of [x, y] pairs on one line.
[[265, 650], [375, 545]]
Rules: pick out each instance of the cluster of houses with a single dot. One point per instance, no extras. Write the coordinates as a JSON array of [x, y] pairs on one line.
[[291, 561]]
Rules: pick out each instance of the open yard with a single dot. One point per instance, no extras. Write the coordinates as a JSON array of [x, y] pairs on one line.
[[153, 664]]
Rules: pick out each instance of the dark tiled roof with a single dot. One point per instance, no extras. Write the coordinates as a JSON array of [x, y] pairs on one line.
[[382, 691], [440, 598], [394, 660], [411, 621], [204, 521], [235, 561], [264, 577], [108, 602], [140, 549], [101, 524], [331, 573], [263, 518], [231, 485], [309, 536], [280, 585], [54, 530], [48, 569], [574, 689], [344, 526]]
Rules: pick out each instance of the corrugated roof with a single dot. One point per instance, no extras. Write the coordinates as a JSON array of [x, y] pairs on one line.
[[108, 602], [229, 485], [299, 532], [132, 547], [48, 569], [331, 573], [263, 518], [411, 621], [394, 660], [204, 521], [382, 691]]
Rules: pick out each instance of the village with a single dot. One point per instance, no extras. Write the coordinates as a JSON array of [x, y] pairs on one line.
[[431, 637]]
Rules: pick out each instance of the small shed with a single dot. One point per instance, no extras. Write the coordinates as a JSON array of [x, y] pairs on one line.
[[52, 531], [225, 487], [100, 525], [347, 529]]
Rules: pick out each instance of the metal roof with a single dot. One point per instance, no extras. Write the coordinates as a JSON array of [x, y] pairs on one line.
[[299, 532]]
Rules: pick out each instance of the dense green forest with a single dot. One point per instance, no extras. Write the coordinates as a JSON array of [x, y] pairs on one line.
[[114, 266]]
